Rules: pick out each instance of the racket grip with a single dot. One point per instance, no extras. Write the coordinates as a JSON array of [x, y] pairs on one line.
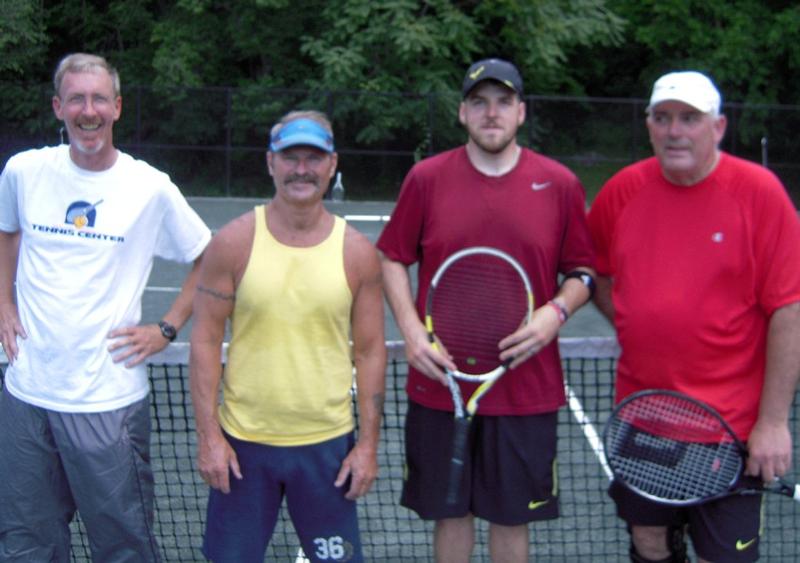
[[460, 430]]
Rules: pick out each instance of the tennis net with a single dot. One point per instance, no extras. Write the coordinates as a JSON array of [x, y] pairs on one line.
[[587, 530]]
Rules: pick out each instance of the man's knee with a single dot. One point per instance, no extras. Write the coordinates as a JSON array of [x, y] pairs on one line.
[[662, 544], [48, 542]]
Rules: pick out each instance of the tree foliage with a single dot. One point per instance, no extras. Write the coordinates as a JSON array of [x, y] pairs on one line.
[[750, 47], [401, 52], [381, 46]]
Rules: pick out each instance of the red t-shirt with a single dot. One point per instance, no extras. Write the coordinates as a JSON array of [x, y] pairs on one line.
[[535, 212], [697, 272]]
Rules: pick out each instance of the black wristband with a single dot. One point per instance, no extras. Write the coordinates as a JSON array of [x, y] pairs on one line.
[[584, 277]]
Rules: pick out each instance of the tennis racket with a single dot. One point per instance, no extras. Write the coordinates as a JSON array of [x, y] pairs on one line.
[[477, 297], [676, 450]]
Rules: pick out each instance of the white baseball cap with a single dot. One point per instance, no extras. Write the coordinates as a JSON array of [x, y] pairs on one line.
[[689, 87]]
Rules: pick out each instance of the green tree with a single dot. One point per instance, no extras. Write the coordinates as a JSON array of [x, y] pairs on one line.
[[23, 41], [424, 47], [750, 47]]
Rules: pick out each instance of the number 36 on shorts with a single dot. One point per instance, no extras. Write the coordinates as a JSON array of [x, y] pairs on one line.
[[334, 548]]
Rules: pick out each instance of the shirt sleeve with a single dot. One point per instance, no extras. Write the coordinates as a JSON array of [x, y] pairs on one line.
[[9, 203], [400, 239], [183, 235], [776, 232], [578, 248], [603, 215], [600, 227]]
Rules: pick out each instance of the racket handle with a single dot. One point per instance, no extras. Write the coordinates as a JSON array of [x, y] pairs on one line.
[[784, 488], [460, 430]]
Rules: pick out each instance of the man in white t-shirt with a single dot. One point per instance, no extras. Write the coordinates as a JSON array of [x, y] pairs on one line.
[[80, 225]]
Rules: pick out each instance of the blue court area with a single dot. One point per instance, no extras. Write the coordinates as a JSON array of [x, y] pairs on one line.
[[587, 530]]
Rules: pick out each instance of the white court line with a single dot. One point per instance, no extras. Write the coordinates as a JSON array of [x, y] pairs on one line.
[[367, 218], [588, 429]]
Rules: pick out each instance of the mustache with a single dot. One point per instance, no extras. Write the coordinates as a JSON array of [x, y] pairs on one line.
[[310, 178]]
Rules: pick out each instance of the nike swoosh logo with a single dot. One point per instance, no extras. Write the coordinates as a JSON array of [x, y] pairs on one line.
[[536, 186], [477, 72], [742, 545], [534, 504]]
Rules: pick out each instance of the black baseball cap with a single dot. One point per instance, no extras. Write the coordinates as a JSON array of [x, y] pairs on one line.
[[492, 69]]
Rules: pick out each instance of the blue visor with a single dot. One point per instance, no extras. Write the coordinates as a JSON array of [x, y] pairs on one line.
[[304, 132]]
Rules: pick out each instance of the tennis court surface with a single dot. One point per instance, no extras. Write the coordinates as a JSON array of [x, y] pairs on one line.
[[588, 530]]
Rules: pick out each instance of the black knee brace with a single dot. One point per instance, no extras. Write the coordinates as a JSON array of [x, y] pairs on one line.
[[676, 544]]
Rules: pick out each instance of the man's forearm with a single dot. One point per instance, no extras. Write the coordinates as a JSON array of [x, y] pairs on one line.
[[371, 389], [181, 309], [204, 378], [783, 364], [602, 297], [9, 254], [397, 286]]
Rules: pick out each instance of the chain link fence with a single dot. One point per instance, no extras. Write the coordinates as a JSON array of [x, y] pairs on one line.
[[212, 140]]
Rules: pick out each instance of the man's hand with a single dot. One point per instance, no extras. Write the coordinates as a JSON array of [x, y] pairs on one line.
[[770, 451], [361, 465], [136, 343], [216, 460], [531, 337], [10, 329], [427, 359]]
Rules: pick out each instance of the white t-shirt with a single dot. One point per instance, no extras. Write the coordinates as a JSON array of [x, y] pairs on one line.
[[87, 248]]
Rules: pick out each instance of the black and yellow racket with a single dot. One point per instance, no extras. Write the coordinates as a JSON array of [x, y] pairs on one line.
[[676, 450], [477, 297]]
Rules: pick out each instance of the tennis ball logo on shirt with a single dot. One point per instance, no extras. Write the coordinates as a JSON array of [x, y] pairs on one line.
[[82, 213]]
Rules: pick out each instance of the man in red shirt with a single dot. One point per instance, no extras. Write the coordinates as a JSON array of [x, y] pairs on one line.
[[699, 270], [490, 192]]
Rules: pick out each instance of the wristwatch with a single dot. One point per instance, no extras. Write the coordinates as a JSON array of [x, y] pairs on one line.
[[584, 277], [167, 330]]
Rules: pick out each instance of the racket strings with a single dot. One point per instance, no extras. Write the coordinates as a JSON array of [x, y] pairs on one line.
[[478, 301], [672, 449]]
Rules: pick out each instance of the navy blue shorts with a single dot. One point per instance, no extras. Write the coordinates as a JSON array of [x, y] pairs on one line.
[[509, 474], [727, 529], [239, 525]]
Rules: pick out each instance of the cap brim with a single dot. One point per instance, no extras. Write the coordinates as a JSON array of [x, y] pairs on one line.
[[301, 139]]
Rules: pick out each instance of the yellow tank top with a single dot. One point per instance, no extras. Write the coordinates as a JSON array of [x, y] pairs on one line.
[[289, 371]]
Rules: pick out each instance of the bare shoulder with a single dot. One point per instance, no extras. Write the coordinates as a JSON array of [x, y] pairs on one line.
[[236, 231], [231, 246], [360, 256]]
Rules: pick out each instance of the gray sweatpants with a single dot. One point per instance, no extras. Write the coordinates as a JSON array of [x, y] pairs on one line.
[[52, 463]]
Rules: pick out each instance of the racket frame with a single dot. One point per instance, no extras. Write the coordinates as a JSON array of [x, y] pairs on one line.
[[463, 413], [429, 322], [778, 486]]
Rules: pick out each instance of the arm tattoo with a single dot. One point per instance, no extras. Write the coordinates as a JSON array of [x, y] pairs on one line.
[[217, 294]]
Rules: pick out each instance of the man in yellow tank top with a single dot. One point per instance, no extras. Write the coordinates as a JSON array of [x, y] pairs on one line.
[[297, 284]]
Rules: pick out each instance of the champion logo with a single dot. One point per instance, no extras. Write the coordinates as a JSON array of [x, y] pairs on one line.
[[718, 237], [536, 186]]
